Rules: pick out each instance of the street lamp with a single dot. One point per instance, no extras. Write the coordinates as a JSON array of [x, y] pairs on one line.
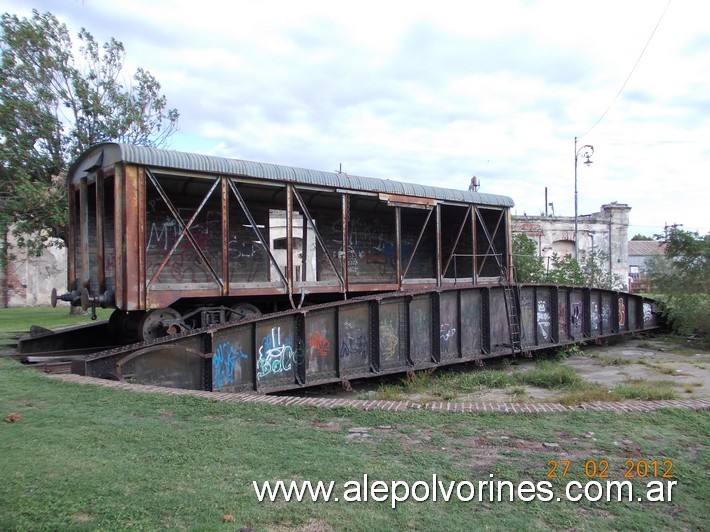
[[587, 151]]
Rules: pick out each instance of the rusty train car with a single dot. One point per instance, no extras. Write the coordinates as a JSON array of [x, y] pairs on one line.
[[176, 241], [232, 275]]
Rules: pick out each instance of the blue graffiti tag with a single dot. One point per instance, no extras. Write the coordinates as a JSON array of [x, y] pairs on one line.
[[276, 356], [225, 371]]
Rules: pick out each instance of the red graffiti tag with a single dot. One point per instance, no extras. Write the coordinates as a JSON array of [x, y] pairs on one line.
[[319, 344]]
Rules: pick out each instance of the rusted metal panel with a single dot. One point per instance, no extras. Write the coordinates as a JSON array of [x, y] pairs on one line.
[[278, 352], [170, 366], [354, 339], [607, 313], [225, 237], [634, 312], [544, 316], [233, 360], [528, 324], [119, 187], [577, 314], [500, 336], [140, 239], [472, 327], [71, 240], [133, 252], [179, 239], [449, 325], [421, 341], [407, 201], [84, 241], [563, 316], [100, 222], [321, 345], [392, 334], [650, 316]]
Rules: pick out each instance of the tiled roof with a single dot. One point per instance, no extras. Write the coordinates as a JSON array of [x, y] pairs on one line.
[[645, 248]]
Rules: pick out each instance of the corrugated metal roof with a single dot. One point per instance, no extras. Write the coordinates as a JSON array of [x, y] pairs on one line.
[[112, 153], [645, 248]]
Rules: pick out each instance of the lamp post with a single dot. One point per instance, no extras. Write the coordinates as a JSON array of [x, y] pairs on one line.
[[587, 151]]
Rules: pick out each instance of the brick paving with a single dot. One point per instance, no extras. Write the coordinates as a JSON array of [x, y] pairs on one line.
[[397, 406]]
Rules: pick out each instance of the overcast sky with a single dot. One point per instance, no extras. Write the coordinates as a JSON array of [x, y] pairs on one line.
[[436, 92]]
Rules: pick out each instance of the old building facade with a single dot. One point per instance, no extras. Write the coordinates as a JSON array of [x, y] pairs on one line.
[[606, 231]]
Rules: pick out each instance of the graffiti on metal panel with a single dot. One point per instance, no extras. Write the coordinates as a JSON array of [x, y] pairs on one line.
[[595, 317], [420, 331], [622, 312], [388, 341], [354, 340], [647, 313], [526, 301], [165, 230], [225, 370], [318, 344], [543, 319], [576, 316], [370, 242], [562, 319], [275, 355], [447, 334], [606, 313]]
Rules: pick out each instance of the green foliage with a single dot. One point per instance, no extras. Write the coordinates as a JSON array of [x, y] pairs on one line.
[[639, 236], [592, 271], [682, 277], [528, 266], [56, 100], [565, 270]]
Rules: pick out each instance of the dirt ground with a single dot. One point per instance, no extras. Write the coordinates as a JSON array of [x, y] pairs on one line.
[[688, 368], [684, 365]]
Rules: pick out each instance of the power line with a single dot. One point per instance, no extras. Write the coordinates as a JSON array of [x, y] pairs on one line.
[[632, 71]]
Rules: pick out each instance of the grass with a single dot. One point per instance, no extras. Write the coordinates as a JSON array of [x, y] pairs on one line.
[[617, 360], [548, 374], [660, 368], [17, 321], [87, 457], [449, 383]]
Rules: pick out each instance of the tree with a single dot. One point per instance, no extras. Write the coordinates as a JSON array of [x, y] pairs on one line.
[[527, 265], [682, 276], [53, 106], [639, 236], [564, 270]]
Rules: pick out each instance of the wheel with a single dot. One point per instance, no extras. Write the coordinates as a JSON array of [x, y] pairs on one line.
[[123, 326], [243, 311], [152, 324]]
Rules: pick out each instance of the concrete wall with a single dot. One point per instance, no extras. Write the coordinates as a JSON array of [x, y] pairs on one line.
[[28, 281], [606, 231]]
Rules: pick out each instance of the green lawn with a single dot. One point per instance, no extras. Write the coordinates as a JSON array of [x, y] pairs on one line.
[[21, 319], [83, 457]]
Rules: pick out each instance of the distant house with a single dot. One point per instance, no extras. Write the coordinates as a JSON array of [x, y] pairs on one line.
[[640, 251]]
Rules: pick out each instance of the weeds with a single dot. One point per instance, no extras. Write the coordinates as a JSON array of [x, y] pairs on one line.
[[645, 390], [550, 375], [606, 360]]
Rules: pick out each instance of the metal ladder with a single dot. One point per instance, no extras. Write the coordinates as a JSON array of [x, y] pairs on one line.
[[511, 296]]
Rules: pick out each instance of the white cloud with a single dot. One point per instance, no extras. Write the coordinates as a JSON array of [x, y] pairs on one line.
[[437, 93]]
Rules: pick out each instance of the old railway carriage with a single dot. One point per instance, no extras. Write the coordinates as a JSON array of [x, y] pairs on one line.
[[176, 241]]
